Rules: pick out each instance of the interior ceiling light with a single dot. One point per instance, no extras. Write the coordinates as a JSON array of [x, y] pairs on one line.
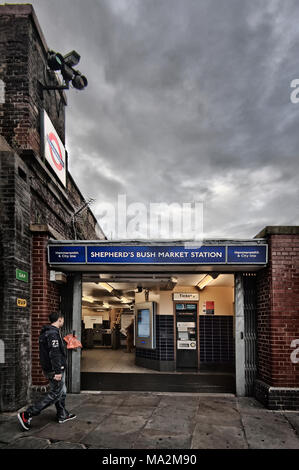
[[106, 286], [206, 280], [88, 299]]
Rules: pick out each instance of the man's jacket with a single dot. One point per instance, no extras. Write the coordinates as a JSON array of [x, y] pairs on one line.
[[52, 350]]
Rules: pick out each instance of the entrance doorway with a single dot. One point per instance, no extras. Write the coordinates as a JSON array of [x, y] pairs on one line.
[[194, 340]]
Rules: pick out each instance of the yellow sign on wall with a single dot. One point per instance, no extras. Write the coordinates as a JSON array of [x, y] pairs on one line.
[[21, 302]]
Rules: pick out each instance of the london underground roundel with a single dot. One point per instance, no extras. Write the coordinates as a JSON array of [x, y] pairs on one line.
[[53, 148], [55, 151]]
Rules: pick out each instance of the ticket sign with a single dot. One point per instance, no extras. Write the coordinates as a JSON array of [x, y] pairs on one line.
[[53, 149], [21, 302], [21, 275], [247, 254], [67, 254]]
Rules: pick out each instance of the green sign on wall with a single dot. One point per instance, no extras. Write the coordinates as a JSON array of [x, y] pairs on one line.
[[21, 275]]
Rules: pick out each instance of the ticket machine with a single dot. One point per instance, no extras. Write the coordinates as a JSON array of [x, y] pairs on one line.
[[186, 336]]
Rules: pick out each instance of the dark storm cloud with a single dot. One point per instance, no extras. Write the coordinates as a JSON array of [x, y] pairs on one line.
[[186, 101]]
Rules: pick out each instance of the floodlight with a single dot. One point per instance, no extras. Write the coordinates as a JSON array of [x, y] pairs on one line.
[[72, 58], [79, 81], [55, 60]]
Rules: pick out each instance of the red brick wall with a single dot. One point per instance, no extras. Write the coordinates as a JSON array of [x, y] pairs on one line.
[[278, 312], [45, 299]]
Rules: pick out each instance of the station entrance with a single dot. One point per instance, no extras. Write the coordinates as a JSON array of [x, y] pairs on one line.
[[186, 326], [193, 331]]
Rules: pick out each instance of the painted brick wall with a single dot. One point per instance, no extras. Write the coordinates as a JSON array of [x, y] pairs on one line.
[[278, 312]]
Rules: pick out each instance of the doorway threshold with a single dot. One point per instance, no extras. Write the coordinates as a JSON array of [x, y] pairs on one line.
[[163, 382]]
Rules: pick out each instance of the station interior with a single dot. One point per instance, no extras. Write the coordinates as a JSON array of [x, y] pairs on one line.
[[109, 301]]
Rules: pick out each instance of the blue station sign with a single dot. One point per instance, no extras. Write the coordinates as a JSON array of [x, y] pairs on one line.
[[246, 254], [67, 254], [157, 254]]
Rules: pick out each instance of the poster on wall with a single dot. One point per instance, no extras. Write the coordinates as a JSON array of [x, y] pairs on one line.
[[53, 149], [208, 307]]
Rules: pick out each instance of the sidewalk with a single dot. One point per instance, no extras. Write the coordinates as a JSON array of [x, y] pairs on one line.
[[131, 420]]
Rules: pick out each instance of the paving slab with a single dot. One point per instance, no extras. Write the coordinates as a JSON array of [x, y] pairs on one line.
[[29, 443], [72, 431], [92, 412], [75, 399], [142, 400], [10, 430], [211, 436], [115, 432], [66, 445], [215, 412], [173, 421], [142, 411], [155, 440], [293, 419], [249, 405], [107, 400], [268, 430]]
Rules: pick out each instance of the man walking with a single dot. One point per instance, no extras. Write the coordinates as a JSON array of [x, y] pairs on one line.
[[53, 362]]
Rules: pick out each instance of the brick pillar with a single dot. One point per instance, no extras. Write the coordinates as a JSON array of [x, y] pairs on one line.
[[278, 320], [45, 299]]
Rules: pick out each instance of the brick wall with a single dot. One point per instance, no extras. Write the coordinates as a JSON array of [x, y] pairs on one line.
[[278, 310], [23, 59], [45, 299], [14, 253], [30, 195]]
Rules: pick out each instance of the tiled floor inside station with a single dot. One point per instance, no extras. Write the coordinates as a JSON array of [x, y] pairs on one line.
[[111, 360]]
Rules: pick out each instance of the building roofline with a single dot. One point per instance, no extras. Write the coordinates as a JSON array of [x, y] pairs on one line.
[[278, 230]]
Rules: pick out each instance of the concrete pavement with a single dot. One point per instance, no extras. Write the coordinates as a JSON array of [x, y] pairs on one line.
[[131, 420]]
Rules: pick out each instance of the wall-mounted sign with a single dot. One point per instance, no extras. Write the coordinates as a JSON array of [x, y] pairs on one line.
[[67, 254], [247, 254], [208, 307], [157, 254], [21, 275], [185, 296], [52, 148], [186, 344], [21, 302]]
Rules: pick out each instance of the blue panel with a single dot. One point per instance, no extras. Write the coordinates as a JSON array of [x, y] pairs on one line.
[[247, 254], [66, 254], [155, 254]]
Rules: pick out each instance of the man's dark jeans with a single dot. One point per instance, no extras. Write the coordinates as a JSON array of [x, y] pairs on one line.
[[56, 396]]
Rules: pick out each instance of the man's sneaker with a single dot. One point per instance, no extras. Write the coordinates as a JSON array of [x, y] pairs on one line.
[[66, 418], [25, 422]]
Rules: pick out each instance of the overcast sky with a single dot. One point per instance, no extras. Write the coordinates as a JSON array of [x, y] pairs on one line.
[[187, 101]]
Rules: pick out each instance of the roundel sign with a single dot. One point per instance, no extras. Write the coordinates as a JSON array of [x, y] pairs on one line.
[[54, 150]]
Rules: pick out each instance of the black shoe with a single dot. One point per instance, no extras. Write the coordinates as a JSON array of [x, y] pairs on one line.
[[25, 422], [66, 418]]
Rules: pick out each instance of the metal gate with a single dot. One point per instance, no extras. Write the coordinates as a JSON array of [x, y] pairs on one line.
[[66, 306], [250, 335]]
